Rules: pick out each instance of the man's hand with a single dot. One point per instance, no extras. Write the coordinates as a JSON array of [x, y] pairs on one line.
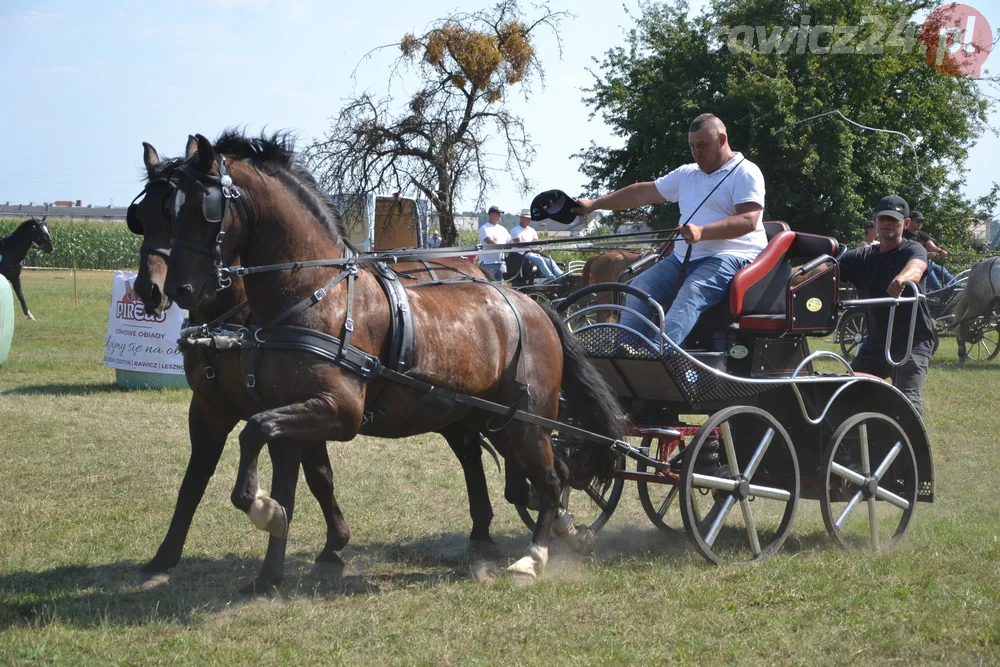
[[895, 288], [690, 233], [585, 208]]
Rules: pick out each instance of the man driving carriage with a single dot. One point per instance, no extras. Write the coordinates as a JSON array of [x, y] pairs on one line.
[[721, 199]]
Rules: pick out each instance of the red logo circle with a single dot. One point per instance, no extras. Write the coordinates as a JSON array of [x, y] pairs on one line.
[[957, 40]]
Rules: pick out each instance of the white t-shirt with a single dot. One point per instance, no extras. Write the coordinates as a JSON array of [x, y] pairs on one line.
[[499, 234], [689, 185], [527, 234]]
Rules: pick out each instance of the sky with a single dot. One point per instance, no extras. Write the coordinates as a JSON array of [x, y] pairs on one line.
[[84, 84]]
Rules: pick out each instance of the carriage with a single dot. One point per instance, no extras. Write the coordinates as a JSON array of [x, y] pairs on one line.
[[745, 415]]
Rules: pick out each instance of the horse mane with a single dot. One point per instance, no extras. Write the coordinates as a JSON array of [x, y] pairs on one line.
[[275, 155], [15, 236]]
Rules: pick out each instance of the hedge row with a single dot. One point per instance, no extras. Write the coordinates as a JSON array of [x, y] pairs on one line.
[[84, 244]]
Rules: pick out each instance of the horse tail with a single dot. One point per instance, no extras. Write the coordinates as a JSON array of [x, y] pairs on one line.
[[590, 402]]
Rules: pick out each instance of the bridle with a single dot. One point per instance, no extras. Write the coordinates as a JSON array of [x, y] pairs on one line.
[[135, 224]]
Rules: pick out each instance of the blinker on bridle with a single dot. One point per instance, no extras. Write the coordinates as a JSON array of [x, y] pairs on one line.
[[218, 190]]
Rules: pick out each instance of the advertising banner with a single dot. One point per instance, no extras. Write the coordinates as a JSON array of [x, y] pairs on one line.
[[137, 341]]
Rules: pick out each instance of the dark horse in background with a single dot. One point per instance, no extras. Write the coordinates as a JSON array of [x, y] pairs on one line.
[[977, 303], [513, 352], [14, 248], [222, 400]]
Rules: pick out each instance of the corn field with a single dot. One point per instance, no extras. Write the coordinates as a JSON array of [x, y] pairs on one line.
[[84, 245]]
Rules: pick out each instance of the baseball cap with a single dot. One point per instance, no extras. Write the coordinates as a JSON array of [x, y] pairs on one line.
[[555, 205], [892, 206], [869, 225], [917, 217], [494, 209]]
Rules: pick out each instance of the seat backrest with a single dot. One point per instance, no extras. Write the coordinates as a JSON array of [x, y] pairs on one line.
[[774, 227]]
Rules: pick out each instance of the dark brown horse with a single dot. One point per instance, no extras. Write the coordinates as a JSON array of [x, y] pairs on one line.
[[223, 399], [512, 352], [14, 248]]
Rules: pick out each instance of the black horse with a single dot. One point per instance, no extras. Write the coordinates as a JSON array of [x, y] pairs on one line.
[[14, 248]]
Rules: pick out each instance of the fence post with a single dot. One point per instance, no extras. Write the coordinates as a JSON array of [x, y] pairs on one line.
[[76, 294]]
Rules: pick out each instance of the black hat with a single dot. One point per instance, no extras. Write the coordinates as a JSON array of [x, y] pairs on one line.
[[917, 217], [894, 207], [869, 225], [494, 209], [554, 205]]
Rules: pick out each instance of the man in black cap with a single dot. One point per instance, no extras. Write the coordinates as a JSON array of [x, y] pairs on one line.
[[493, 233], [879, 271]]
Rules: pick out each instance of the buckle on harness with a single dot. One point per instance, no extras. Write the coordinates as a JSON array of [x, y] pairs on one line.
[[319, 295], [349, 324], [209, 372], [251, 381]]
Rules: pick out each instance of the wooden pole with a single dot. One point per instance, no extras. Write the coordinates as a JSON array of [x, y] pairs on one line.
[[76, 294]]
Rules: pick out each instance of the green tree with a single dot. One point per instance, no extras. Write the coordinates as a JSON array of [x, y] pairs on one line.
[[822, 176], [467, 64]]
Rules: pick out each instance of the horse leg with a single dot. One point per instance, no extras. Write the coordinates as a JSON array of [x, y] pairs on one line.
[[285, 460], [208, 430], [464, 441], [319, 477], [15, 282], [963, 334]]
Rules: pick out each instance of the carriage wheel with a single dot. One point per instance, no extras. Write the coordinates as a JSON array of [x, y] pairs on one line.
[[870, 463], [540, 298], [851, 333], [984, 339], [759, 475], [592, 506], [660, 501]]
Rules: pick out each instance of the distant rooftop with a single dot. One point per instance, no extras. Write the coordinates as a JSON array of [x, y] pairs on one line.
[[26, 211]]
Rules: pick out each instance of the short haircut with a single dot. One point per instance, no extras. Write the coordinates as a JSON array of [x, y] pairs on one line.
[[706, 118]]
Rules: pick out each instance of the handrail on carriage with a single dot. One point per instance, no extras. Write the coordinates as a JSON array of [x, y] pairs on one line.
[[627, 289], [892, 302]]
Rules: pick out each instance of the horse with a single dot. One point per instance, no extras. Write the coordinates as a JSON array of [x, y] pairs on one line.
[[313, 391], [14, 248], [220, 398], [607, 267], [979, 299]]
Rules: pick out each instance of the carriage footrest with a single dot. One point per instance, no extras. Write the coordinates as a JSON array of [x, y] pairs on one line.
[[763, 323]]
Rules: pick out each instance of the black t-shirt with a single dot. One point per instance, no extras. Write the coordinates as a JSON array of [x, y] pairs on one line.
[[920, 237], [872, 271]]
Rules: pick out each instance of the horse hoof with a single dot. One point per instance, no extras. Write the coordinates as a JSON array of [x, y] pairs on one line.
[[327, 570], [268, 515], [147, 581], [29, 316], [485, 574]]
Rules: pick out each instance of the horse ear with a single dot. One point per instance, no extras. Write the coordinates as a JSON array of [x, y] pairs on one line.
[[43, 218], [206, 154], [150, 158], [192, 147]]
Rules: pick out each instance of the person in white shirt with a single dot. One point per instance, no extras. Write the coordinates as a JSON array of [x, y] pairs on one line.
[[493, 233], [435, 240], [525, 233], [721, 197]]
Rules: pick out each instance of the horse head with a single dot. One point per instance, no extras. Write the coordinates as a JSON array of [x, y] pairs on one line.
[[40, 235], [149, 216]]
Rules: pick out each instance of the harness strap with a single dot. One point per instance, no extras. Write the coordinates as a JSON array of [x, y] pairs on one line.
[[401, 336], [314, 298]]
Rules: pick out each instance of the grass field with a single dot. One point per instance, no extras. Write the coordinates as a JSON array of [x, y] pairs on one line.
[[90, 474]]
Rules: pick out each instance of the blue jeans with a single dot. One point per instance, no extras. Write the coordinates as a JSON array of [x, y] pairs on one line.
[[546, 265], [938, 276], [495, 271], [706, 283]]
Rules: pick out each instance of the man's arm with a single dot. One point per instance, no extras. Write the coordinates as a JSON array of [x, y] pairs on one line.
[[934, 250], [633, 196], [735, 226], [913, 270]]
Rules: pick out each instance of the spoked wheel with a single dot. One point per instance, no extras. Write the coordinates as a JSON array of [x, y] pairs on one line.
[[871, 482], [757, 471], [540, 298], [984, 339], [851, 333], [660, 501], [592, 506]]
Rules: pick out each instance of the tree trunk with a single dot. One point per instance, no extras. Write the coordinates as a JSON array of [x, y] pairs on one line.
[[446, 219]]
